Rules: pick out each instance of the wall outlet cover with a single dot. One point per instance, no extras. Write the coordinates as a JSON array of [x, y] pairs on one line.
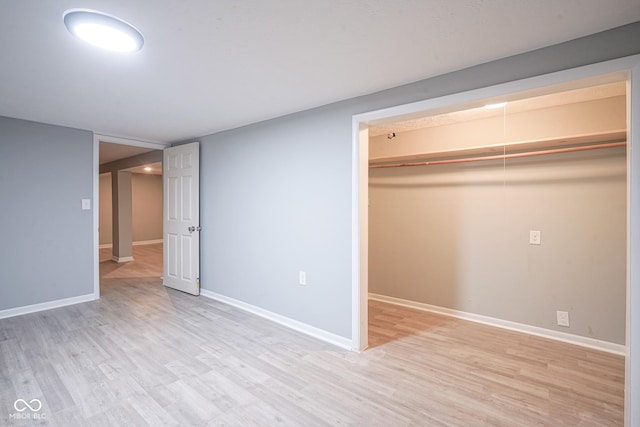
[[534, 237], [562, 318]]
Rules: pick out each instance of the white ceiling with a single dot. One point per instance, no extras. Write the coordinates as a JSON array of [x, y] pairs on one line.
[[212, 65]]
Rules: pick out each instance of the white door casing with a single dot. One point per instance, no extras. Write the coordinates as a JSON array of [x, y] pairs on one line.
[[181, 218]]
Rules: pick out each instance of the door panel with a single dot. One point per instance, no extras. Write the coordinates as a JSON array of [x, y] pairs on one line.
[[181, 218]]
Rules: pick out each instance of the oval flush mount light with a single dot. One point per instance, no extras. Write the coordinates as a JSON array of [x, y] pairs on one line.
[[102, 30]]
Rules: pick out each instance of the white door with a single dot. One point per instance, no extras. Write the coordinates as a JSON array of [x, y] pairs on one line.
[[181, 220]]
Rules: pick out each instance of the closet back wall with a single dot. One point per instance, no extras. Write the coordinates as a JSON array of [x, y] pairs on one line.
[[457, 236]]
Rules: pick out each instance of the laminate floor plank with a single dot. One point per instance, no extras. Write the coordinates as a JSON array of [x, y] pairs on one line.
[[148, 355], [151, 411]]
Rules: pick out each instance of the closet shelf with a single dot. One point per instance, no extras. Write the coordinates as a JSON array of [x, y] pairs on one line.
[[591, 139]]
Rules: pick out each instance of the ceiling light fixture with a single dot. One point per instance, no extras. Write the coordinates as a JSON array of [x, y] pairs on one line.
[[102, 30], [148, 169], [495, 106]]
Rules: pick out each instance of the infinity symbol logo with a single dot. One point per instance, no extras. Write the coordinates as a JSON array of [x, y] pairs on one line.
[[21, 405]]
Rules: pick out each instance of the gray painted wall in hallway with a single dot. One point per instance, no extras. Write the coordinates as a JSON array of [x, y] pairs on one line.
[[276, 195], [46, 248], [146, 208]]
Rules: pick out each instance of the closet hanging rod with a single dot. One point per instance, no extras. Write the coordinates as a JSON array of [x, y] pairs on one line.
[[502, 156]]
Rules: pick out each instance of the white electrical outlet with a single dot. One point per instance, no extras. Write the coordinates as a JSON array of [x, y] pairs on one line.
[[534, 237], [563, 318], [302, 278]]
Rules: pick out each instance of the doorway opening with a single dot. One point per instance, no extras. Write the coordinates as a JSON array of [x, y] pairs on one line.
[[128, 210]]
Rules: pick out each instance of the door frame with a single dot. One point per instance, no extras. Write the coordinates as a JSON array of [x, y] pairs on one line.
[[627, 66], [97, 139]]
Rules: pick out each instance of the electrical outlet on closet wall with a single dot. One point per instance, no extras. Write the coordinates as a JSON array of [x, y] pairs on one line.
[[562, 318], [534, 237]]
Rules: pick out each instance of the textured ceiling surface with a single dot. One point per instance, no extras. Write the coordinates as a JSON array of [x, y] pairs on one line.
[[208, 66]]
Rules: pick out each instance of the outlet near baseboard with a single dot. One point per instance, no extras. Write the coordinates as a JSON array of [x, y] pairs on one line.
[[562, 318]]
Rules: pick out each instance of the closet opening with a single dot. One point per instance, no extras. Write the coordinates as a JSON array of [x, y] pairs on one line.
[[515, 217], [512, 215], [620, 70]]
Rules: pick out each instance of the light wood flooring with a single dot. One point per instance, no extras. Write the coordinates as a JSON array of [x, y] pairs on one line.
[[147, 355], [147, 263]]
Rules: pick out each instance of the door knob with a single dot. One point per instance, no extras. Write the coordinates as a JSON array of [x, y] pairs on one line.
[[194, 228]]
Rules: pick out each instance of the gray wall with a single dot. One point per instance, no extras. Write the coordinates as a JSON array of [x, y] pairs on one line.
[[457, 236], [276, 196], [105, 226], [146, 208], [275, 199], [46, 243]]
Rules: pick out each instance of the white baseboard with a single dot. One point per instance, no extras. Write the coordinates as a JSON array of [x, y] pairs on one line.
[[609, 347], [121, 259], [282, 320], [138, 243], [18, 311]]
